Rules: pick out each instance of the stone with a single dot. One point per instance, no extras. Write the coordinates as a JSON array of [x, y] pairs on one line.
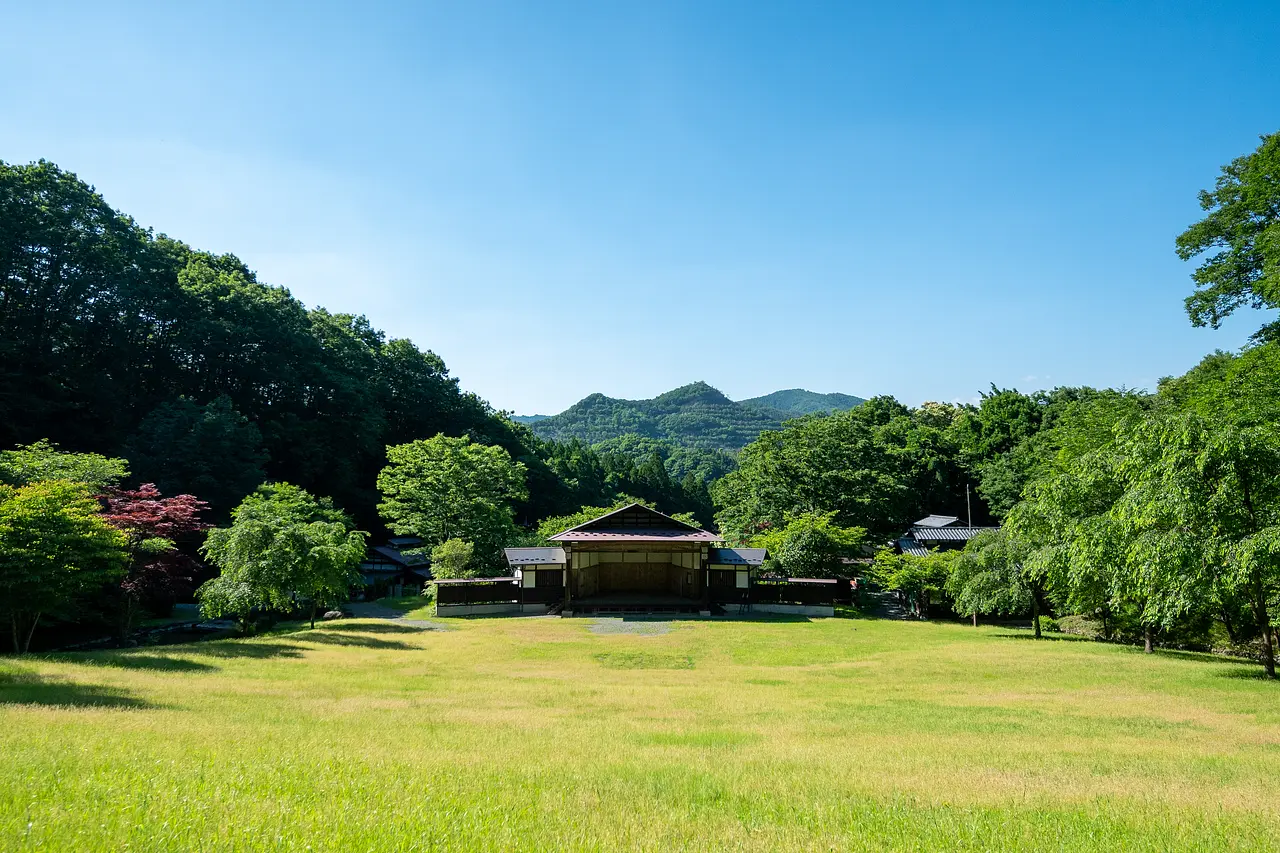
[[333, 614]]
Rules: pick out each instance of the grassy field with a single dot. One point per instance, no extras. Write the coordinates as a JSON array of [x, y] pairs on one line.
[[545, 734]]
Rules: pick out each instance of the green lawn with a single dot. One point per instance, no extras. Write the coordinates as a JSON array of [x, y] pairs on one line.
[[539, 734]]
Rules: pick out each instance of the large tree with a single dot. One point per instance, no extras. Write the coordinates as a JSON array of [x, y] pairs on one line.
[[283, 545], [54, 548], [446, 488], [1238, 241]]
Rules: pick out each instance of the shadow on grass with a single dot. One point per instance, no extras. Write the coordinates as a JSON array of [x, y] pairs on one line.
[[339, 639], [133, 660], [1052, 638], [1254, 673], [387, 627], [28, 688], [230, 649]]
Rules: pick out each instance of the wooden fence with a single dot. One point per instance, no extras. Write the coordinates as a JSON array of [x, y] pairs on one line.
[[805, 591], [478, 591]]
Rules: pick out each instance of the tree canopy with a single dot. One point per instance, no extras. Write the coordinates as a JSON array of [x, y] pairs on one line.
[[283, 545], [1238, 240], [446, 488]]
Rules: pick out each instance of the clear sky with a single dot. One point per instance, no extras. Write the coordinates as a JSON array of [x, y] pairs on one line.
[[908, 198]]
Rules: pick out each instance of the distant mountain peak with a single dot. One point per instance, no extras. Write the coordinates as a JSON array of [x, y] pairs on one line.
[[695, 393], [694, 415], [798, 401]]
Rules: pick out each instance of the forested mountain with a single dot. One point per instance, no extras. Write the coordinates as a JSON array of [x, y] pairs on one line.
[[695, 416], [797, 402]]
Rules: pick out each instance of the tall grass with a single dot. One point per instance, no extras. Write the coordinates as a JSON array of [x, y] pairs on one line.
[[540, 734]]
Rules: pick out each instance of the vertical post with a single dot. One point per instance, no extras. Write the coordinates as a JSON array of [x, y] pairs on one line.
[[568, 580]]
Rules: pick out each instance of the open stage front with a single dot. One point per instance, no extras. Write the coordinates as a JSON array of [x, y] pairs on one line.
[[654, 579]]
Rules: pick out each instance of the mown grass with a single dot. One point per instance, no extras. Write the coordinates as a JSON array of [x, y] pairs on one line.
[[539, 734]]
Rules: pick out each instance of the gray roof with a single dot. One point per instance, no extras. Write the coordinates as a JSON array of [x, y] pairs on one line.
[[908, 545], [736, 556], [937, 521], [946, 534], [534, 556]]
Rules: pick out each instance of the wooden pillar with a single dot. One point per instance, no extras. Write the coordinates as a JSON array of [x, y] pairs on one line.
[[568, 579]]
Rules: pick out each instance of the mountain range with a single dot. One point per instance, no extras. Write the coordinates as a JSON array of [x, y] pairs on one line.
[[694, 415]]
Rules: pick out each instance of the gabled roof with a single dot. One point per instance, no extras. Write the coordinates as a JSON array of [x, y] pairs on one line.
[[534, 556], [635, 523], [737, 556], [937, 521]]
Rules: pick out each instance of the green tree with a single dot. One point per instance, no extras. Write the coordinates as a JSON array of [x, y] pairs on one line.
[[54, 547], [920, 579], [43, 460], [283, 544], [1203, 508], [451, 558], [988, 577], [835, 464], [1238, 240], [811, 545], [451, 488]]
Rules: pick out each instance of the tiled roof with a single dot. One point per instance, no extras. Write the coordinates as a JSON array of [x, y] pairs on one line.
[[634, 534], [936, 521], [946, 534], [907, 545], [737, 556], [534, 556]]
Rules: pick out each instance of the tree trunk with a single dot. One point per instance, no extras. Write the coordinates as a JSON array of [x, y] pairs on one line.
[[127, 618], [313, 613], [13, 623], [1231, 631], [26, 647], [975, 619], [1148, 639], [1035, 612], [1264, 628]]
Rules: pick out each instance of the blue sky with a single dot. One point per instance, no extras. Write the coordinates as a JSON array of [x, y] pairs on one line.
[[909, 198]]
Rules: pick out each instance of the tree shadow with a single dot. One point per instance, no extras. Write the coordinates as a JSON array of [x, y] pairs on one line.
[[389, 627], [764, 617], [337, 639], [229, 649], [131, 660], [1254, 673], [1052, 638], [29, 688], [1206, 657]]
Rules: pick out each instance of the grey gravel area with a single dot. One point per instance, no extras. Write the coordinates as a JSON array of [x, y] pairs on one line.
[[370, 610], [618, 625]]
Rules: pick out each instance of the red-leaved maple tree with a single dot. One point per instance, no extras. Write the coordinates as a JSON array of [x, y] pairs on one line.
[[158, 569]]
